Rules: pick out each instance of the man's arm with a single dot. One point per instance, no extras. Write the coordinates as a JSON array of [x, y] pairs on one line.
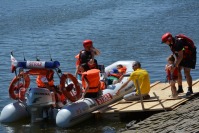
[[86, 89], [76, 71], [179, 58]]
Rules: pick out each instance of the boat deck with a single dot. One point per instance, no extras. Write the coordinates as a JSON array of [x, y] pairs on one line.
[[160, 100]]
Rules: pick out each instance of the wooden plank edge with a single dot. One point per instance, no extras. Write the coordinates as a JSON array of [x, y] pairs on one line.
[[133, 102], [195, 82], [103, 109], [154, 84]]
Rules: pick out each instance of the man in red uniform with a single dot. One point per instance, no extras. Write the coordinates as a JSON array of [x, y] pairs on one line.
[[86, 56], [185, 52]]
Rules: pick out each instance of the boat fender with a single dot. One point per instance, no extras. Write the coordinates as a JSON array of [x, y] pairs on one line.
[[16, 88], [67, 91]]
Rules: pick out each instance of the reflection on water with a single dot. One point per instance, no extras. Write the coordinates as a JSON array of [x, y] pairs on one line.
[[88, 126]]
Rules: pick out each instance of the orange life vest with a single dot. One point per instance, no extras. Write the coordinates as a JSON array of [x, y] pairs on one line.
[[93, 80], [172, 76], [121, 72], [41, 84]]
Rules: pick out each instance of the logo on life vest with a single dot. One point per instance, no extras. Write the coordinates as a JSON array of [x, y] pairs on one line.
[[104, 98]]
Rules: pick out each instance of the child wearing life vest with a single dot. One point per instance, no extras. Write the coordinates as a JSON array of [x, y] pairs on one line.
[[115, 74], [172, 75]]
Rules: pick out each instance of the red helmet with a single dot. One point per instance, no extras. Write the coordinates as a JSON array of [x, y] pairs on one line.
[[166, 37], [87, 43]]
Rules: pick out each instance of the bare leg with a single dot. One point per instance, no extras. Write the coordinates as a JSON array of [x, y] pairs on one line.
[[179, 76], [188, 76], [189, 80], [180, 89], [173, 89]]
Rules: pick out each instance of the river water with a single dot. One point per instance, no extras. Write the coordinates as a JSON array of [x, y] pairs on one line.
[[122, 30]]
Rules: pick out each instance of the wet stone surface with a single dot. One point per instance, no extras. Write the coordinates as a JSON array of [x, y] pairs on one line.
[[184, 119]]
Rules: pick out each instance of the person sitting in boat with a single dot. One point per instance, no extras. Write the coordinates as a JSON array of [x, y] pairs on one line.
[[115, 74], [43, 82], [172, 75], [142, 77], [87, 56], [91, 83]]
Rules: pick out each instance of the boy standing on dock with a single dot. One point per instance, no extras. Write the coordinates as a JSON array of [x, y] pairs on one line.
[[172, 75]]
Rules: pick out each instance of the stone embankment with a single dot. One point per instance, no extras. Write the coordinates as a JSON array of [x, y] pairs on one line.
[[184, 119]]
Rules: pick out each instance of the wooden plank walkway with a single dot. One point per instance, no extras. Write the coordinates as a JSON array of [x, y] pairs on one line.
[[163, 103]]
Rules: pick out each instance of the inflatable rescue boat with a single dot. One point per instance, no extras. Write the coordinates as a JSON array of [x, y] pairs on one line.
[[80, 110], [31, 101], [62, 104]]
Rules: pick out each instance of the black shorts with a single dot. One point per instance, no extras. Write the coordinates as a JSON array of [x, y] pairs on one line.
[[189, 63]]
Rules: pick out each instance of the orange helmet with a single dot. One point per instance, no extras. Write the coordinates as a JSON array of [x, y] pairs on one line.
[[87, 43], [166, 37]]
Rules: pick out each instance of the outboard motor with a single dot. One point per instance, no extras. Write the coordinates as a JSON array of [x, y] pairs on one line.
[[39, 102]]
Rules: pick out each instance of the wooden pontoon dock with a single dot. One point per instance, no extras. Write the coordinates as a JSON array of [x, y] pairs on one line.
[[160, 100]]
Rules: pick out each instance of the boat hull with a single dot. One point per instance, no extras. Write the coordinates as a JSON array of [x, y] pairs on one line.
[[77, 112], [14, 112], [72, 113]]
